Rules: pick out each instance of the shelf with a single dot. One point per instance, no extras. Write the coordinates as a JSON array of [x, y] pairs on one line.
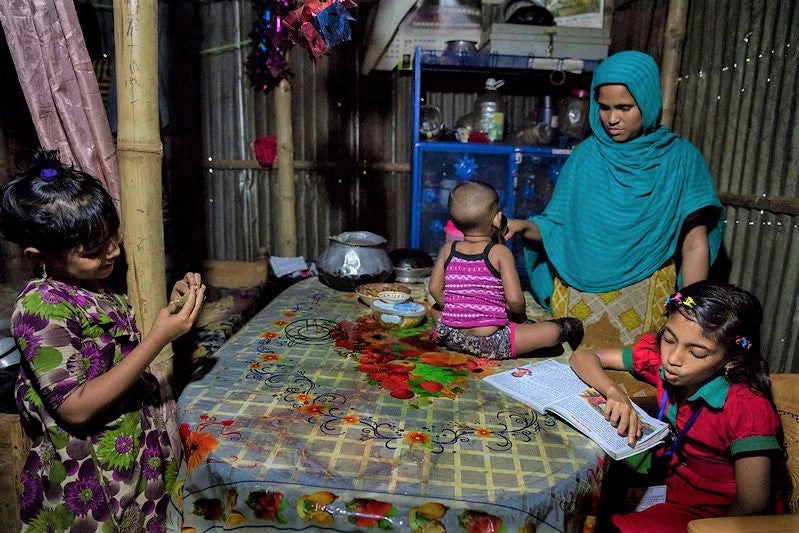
[[446, 146], [475, 62], [524, 176]]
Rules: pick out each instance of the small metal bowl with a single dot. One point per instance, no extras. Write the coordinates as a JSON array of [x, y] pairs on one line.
[[411, 275], [461, 46]]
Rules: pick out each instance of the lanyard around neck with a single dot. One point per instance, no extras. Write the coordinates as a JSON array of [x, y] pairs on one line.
[[675, 445]]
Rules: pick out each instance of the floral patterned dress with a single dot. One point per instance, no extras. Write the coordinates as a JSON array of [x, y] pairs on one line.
[[115, 473]]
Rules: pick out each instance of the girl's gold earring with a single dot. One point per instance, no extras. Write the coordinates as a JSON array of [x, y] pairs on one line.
[[44, 271]]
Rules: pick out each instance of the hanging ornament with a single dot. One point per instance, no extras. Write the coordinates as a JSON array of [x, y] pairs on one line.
[[266, 64], [333, 23], [320, 25], [316, 25]]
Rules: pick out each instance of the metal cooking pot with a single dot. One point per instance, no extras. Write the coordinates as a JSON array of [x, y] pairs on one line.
[[353, 258]]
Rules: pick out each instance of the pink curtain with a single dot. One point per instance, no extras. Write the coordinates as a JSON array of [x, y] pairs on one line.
[[60, 86]]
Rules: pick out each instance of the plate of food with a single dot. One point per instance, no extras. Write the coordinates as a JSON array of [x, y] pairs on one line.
[[370, 292]]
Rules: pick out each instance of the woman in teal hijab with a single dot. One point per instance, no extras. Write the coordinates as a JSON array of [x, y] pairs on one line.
[[633, 204]]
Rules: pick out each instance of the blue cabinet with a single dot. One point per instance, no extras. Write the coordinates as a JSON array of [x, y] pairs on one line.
[[524, 176]]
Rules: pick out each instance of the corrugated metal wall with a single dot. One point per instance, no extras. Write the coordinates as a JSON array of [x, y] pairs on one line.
[[340, 123], [737, 101]]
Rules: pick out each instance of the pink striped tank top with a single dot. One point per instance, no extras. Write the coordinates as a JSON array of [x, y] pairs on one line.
[[473, 292]]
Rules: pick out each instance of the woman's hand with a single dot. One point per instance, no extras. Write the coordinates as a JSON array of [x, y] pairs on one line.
[[526, 228], [620, 413]]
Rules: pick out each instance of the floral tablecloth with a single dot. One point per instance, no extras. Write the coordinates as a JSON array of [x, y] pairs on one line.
[[315, 418]]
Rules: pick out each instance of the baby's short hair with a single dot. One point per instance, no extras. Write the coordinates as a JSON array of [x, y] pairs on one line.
[[472, 205]]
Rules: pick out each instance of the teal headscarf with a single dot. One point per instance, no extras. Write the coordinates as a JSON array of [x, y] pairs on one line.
[[618, 207]]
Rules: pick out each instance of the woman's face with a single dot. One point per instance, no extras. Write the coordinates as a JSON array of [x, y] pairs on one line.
[[620, 115], [689, 358]]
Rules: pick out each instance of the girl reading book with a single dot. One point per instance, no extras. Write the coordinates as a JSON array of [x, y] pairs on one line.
[[713, 389]]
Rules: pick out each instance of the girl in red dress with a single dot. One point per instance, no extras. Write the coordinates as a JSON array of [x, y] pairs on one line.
[[713, 389]]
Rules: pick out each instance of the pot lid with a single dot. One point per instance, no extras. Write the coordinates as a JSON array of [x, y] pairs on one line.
[[359, 238]]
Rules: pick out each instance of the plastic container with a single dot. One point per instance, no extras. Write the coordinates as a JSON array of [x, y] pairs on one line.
[[534, 131], [489, 111], [573, 114], [398, 315], [547, 41], [9, 354]]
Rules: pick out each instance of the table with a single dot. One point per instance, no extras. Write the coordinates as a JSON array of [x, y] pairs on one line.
[[315, 418]]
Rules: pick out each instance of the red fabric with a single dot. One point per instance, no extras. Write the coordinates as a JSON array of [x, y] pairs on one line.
[[265, 149], [703, 484]]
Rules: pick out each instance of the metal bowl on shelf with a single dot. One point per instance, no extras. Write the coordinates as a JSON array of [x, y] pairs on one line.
[[461, 46], [411, 265]]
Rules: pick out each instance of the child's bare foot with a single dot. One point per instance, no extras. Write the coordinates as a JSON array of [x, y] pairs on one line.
[[571, 331]]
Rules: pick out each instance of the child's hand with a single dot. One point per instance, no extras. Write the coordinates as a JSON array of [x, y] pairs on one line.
[[172, 322], [180, 292], [621, 415]]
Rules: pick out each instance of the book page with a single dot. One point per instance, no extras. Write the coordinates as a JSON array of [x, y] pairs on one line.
[[550, 385], [538, 384], [585, 412]]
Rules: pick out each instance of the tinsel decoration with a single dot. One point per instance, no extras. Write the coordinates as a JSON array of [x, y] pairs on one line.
[[266, 65], [316, 25]]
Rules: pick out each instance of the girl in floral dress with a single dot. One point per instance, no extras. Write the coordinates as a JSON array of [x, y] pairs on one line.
[[102, 458]]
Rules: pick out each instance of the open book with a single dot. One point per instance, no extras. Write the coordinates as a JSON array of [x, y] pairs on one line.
[[553, 386]]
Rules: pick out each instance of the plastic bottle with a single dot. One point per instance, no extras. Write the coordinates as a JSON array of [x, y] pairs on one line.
[[546, 111], [490, 111], [574, 114]]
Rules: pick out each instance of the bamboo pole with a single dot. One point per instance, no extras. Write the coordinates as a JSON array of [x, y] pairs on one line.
[[673, 41], [287, 213], [140, 152]]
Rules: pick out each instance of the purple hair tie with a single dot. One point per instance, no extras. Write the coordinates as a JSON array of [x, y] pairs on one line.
[[47, 174]]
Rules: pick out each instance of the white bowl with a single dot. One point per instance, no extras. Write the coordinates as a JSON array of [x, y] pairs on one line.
[[394, 297]]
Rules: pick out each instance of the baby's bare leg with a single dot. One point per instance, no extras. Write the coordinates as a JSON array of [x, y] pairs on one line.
[[531, 336], [550, 333]]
